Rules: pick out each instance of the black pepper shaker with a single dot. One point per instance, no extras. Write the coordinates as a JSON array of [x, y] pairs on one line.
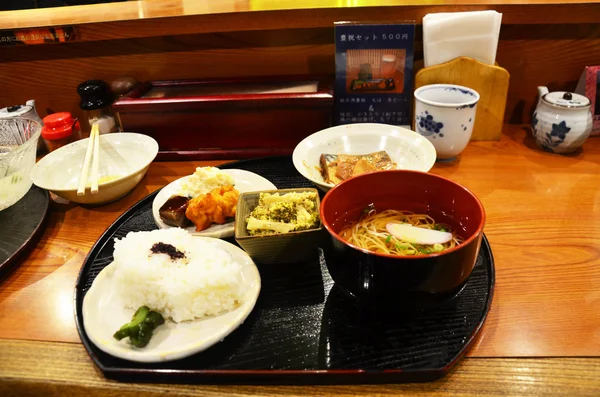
[[96, 102]]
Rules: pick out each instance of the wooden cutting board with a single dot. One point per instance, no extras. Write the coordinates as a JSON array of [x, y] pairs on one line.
[[490, 81]]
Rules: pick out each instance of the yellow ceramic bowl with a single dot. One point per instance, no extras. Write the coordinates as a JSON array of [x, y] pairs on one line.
[[124, 159]]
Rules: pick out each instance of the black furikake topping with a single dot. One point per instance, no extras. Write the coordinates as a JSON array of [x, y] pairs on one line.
[[162, 248]]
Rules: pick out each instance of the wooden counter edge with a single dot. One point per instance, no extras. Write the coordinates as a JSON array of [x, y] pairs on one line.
[[49, 368]]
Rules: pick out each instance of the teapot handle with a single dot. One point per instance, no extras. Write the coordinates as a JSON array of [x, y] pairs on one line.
[[542, 90]]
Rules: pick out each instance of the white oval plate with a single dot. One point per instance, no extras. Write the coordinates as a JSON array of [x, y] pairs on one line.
[[408, 149], [245, 181], [104, 313]]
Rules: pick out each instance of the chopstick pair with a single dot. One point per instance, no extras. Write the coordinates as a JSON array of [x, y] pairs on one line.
[[92, 154]]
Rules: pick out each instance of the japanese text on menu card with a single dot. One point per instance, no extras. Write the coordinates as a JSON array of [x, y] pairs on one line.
[[374, 73]]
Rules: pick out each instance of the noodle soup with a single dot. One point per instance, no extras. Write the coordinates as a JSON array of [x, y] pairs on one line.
[[416, 243], [395, 232]]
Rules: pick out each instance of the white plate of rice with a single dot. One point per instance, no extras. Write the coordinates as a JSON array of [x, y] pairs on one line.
[[201, 182], [203, 296]]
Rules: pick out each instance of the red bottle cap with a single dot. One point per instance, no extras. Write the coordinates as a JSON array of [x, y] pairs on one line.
[[57, 126]]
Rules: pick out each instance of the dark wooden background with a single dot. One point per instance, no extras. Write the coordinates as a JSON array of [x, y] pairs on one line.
[[539, 45]]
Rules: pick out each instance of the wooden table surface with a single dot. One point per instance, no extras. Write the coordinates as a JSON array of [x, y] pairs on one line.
[[541, 337]]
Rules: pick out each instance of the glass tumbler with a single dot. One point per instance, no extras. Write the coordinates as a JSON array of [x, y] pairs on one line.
[[388, 66], [18, 144]]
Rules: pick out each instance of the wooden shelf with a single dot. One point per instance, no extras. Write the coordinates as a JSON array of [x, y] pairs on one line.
[[151, 18], [203, 39]]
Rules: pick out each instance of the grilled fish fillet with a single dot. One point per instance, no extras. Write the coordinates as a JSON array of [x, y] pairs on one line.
[[339, 167]]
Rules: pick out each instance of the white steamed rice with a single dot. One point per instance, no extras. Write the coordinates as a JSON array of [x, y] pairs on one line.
[[206, 282]]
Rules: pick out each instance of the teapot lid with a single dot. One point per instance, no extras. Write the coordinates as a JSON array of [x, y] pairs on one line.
[[566, 99], [15, 111]]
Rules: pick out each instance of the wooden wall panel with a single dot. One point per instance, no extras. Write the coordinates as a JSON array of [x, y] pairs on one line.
[[54, 71], [105, 21], [552, 55]]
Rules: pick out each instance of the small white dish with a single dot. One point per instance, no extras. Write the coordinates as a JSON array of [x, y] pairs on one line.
[[245, 181], [406, 148], [104, 313]]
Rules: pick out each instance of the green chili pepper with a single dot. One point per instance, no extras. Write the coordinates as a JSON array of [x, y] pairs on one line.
[[140, 328]]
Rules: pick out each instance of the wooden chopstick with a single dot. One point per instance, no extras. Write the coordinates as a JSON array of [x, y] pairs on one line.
[[83, 176], [96, 159]]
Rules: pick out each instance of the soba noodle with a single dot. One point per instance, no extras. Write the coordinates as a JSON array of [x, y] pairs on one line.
[[370, 233]]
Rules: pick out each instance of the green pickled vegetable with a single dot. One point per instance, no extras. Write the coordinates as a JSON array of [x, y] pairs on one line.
[[141, 327]]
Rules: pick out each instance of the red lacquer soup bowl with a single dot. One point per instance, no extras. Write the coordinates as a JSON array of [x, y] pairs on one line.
[[402, 281]]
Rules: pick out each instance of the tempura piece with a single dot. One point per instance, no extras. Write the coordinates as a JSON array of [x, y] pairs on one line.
[[214, 207]]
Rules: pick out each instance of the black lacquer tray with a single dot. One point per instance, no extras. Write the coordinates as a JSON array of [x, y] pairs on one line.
[[20, 227], [303, 329]]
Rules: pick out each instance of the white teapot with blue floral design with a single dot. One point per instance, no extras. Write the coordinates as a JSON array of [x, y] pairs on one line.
[[562, 121]]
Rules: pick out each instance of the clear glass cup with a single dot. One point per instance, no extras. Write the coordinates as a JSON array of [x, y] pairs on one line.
[[18, 144], [388, 66]]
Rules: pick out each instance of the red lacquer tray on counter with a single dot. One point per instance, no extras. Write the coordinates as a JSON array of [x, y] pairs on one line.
[[221, 119], [303, 329]]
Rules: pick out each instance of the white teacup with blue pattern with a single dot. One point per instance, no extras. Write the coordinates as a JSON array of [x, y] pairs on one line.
[[445, 114]]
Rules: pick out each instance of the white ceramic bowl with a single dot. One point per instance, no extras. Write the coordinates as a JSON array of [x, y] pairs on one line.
[[406, 148], [124, 159]]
